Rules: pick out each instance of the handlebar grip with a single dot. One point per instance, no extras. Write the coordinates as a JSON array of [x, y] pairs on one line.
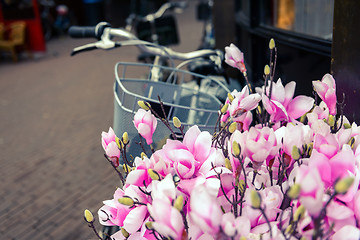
[[87, 31]]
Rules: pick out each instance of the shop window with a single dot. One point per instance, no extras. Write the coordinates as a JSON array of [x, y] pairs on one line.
[[309, 17]]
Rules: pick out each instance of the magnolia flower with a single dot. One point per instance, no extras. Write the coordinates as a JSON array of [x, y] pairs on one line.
[[232, 226], [347, 232], [339, 216], [260, 145], [243, 102], [139, 176], [168, 220], [235, 58], [205, 211], [312, 189], [188, 156], [282, 105], [110, 146], [113, 213], [164, 189], [145, 123], [326, 89], [240, 107]]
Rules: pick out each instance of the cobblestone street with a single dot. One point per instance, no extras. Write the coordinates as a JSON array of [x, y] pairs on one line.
[[53, 110]]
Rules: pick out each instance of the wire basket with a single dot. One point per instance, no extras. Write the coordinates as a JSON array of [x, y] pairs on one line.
[[181, 97]]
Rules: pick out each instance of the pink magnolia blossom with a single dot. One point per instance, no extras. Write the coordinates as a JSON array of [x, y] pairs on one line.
[[235, 58], [326, 89], [168, 220], [243, 101], [187, 157], [205, 210], [356, 206], [271, 199], [347, 232], [232, 226], [338, 215], [164, 189], [110, 147], [319, 112], [139, 175], [260, 145], [312, 189], [145, 122], [292, 135], [327, 145], [282, 105], [113, 213]]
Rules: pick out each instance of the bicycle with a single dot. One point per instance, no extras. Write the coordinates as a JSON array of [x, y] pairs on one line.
[[174, 86]]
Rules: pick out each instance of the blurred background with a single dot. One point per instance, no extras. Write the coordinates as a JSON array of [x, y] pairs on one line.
[[54, 107]]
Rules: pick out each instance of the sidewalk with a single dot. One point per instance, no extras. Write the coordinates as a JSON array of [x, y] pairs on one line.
[[53, 111]]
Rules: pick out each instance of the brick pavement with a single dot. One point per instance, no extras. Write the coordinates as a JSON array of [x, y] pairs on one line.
[[52, 113]]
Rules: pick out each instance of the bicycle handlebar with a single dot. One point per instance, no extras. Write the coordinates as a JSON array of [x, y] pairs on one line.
[[88, 31], [104, 32]]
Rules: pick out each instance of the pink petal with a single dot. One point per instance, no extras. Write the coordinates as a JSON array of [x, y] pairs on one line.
[[112, 150], [202, 146], [134, 219], [321, 162], [320, 88], [347, 233], [190, 137], [299, 106], [145, 131], [289, 92], [250, 102]]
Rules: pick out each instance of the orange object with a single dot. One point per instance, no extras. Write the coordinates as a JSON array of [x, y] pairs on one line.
[[15, 39]]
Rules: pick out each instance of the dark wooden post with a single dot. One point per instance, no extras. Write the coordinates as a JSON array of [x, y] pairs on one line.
[[345, 60], [224, 22]]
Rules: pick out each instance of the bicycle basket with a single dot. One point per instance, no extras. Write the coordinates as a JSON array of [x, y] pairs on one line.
[[180, 96]]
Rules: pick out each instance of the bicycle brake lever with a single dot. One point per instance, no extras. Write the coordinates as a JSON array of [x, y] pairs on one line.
[[87, 47], [92, 46]]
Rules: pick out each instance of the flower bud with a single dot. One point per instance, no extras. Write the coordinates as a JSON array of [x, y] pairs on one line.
[[255, 199], [126, 168], [241, 185], [331, 120], [266, 70], [228, 164], [143, 105], [224, 108], [149, 225], [119, 143], [299, 213], [176, 122], [179, 203], [343, 185], [289, 229], [125, 233], [230, 97], [232, 127], [351, 142], [88, 216], [236, 148], [294, 191], [310, 147], [295, 154], [272, 44], [127, 201], [153, 174], [125, 138]]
